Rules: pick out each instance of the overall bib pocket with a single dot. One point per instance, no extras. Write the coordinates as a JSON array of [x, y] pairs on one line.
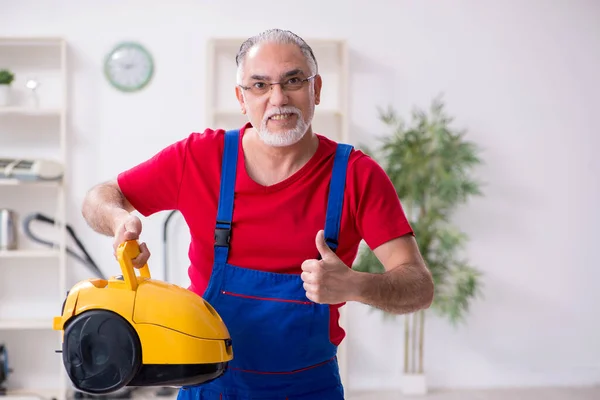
[[273, 326]]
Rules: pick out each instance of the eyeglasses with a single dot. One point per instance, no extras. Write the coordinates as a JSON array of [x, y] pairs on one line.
[[290, 85]]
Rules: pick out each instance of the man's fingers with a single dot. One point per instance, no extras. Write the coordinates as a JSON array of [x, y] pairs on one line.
[[312, 292], [310, 265], [130, 228], [309, 288], [307, 277], [142, 258], [129, 235], [133, 225]]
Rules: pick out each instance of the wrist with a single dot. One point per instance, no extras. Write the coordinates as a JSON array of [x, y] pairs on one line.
[[358, 283]]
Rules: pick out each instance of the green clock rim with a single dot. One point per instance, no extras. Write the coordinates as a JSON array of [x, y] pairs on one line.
[[141, 48]]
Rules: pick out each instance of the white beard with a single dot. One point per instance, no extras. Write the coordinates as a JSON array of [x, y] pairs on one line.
[[288, 137]]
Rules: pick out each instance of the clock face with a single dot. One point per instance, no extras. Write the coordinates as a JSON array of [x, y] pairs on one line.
[[129, 67]]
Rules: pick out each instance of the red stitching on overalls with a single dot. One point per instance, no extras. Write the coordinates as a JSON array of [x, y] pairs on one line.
[[265, 298]]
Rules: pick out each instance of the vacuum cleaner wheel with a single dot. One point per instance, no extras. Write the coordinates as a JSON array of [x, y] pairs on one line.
[[101, 352]]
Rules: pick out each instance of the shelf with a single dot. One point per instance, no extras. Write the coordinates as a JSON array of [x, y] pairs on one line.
[[35, 130], [27, 111], [29, 324], [29, 253], [31, 41], [16, 182]]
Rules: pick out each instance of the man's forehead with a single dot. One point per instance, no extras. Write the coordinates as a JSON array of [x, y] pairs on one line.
[[271, 49], [275, 54], [253, 52], [275, 70], [271, 65]]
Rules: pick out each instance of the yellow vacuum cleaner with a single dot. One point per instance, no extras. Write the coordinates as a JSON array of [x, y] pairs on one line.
[[132, 330]]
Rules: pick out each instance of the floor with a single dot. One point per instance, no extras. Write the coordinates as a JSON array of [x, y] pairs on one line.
[[585, 393], [588, 393]]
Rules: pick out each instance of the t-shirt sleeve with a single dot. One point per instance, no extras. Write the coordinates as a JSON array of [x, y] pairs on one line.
[[380, 216], [153, 185]]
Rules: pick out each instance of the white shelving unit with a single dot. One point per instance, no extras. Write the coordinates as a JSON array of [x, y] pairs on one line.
[[331, 115], [33, 278]]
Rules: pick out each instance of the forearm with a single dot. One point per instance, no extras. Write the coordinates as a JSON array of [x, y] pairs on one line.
[[401, 290], [104, 205]]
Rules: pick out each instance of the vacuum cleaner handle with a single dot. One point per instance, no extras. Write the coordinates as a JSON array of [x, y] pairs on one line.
[[126, 252]]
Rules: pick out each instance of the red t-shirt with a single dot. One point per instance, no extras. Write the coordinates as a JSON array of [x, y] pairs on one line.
[[274, 227]]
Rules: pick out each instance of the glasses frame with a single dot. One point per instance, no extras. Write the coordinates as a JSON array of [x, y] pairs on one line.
[[249, 88]]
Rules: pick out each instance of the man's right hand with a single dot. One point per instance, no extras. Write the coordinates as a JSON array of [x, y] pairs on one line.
[[129, 227]]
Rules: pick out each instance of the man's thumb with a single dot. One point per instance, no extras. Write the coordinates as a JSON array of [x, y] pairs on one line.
[[133, 228], [324, 250]]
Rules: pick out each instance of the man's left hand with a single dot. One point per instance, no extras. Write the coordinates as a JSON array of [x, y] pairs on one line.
[[328, 280]]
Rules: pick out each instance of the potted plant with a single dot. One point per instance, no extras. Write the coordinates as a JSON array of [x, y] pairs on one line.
[[6, 79], [430, 165]]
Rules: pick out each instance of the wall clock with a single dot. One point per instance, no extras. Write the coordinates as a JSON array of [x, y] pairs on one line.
[[129, 67]]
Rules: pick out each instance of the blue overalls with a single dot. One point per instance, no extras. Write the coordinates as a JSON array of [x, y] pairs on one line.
[[281, 345]]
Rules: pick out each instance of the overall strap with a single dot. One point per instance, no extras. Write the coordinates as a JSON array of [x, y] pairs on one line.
[[335, 202], [225, 210]]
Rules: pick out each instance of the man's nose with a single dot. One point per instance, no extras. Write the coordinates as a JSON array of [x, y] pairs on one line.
[[278, 97]]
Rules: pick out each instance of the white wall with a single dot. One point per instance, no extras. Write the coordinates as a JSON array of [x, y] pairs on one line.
[[521, 76]]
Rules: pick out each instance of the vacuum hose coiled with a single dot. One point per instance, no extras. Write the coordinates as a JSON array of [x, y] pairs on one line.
[[86, 260]]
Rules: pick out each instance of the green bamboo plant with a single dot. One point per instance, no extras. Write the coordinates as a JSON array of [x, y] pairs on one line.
[[431, 164]]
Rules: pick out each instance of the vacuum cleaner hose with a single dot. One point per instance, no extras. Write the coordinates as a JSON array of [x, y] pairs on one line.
[[87, 260]]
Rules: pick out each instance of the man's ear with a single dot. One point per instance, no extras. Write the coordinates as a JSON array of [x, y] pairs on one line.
[[240, 96], [318, 86]]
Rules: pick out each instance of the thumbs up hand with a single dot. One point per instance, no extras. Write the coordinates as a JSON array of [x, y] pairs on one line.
[[328, 280]]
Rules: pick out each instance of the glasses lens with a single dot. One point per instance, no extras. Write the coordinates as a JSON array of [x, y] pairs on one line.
[[259, 88], [293, 85]]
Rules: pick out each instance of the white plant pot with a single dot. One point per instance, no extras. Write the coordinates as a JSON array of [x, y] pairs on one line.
[[4, 95], [414, 384]]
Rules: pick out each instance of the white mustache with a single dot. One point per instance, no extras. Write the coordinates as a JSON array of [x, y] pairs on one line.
[[283, 110]]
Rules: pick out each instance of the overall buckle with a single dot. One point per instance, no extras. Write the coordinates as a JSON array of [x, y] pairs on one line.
[[222, 235]]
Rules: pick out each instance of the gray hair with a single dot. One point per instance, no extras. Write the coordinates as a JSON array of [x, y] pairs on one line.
[[275, 36]]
